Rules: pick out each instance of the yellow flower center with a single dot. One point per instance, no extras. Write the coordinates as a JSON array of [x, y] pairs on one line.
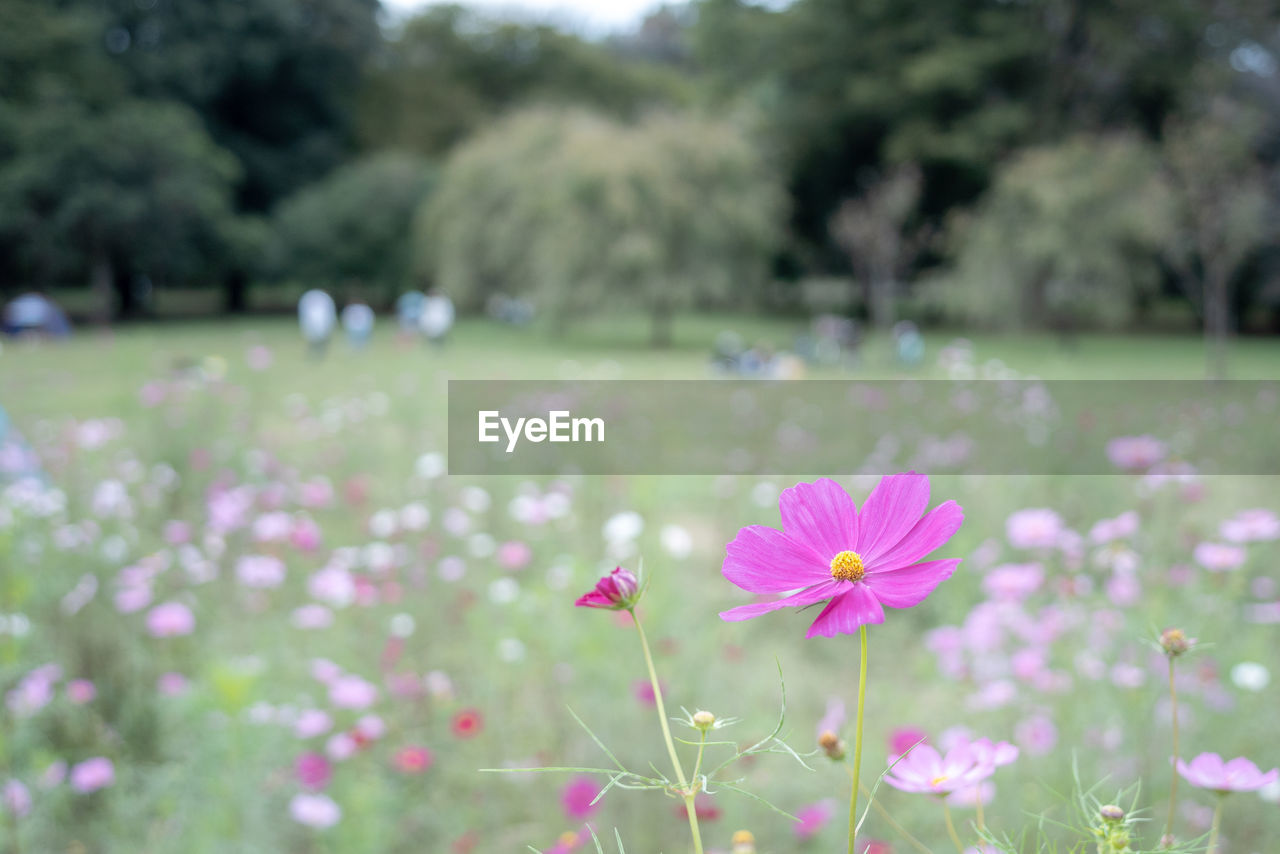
[[938, 781], [568, 838], [847, 566]]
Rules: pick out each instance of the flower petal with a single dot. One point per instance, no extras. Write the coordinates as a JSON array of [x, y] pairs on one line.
[[937, 526], [810, 596], [855, 607], [765, 560], [908, 587], [822, 515], [890, 511]]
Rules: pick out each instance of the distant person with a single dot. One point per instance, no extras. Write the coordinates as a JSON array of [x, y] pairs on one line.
[[409, 312], [317, 316], [357, 321], [437, 318], [908, 344], [35, 314]]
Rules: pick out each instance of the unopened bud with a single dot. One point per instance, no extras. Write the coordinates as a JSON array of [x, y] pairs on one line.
[[703, 720], [1175, 642], [1167, 841], [1111, 812], [831, 745], [744, 842]]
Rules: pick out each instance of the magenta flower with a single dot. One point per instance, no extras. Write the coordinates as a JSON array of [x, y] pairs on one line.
[[963, 767], [92, 775], [1211, 771], [813, 818], [615, 591], [577, 796], [860, 561], [313, 771]]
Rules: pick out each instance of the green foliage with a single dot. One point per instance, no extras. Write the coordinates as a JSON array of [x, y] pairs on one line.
[[353, 225], [578, 212], [1069, 234], [452, 71], [141, 187]]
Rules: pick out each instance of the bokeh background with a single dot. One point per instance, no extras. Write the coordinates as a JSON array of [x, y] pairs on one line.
[[244, 607]]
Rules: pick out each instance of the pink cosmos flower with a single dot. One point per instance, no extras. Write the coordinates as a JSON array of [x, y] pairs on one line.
[[514, 555], [317, 811], [16, 798], [1218, 557], [926, 771], [1251, 525], [1135, 453], [170, 620], [1035, 528], [813, 818], [312, 722], [577, 796], [313, 771], [1038, 734], [614, 591], [860, 561], [352, 692], [260, 571], [1211, 771], [171, 684], [1014, 581], [92, 775], [81, 691], [904, 738]]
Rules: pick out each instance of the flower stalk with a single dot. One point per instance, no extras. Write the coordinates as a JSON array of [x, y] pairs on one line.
[[857, 738]]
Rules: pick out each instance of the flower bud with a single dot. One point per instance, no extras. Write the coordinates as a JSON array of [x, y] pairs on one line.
[[1111, 812], [832, 745], [744, 842], [703, 720], [1175, 642], [1167, 841], [618, 590]]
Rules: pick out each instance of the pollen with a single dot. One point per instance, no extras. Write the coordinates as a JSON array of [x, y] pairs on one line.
[[938, 781], [847, 566]]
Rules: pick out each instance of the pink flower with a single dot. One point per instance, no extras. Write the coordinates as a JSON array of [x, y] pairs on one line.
[[170, 620], [352, 692], [970, 797], [860, 561], [926, 771], [642, 689], [312, 616], [15, 797], [576, 798], [313, 771], [1121, 527], [615, 591], [305, 535], [312, 722], [413, 759], [1250, 526], [834, 718], [813, 818], [92, 775], [1135, 453], [81, 691], [260, 571], [171, 684], [341, 746], [1036, 528], [317, 811], [1218, 557], [1037, 734], [904, 738], [1210, 771], [1014, 581], [514, 555]]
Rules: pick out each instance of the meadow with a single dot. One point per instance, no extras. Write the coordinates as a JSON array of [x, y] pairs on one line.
[[247, 610]]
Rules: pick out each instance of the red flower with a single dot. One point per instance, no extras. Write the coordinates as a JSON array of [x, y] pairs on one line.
[[413, 759], [467, 723], [704, 806]]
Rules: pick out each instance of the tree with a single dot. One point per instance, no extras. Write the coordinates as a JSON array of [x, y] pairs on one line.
[[1069, 234], [353, 225], [579, 211], [452, 71], [872, 228], [138, 189]]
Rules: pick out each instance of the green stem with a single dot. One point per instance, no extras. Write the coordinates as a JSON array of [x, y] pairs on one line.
[[978, 804], [951, 828], [697, 765], [1213, 830], [1173, 787], [685, 790], [857, 738]]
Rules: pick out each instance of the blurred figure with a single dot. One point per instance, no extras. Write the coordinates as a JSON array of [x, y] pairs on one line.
[[409, 313], [908, 344], [357, 321], [35, 314], [437, 317], [317, 316]]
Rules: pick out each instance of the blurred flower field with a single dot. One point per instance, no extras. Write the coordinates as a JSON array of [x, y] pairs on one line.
[[243, 608]]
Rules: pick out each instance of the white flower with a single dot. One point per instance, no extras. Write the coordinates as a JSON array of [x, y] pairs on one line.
[[1251, 676]]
